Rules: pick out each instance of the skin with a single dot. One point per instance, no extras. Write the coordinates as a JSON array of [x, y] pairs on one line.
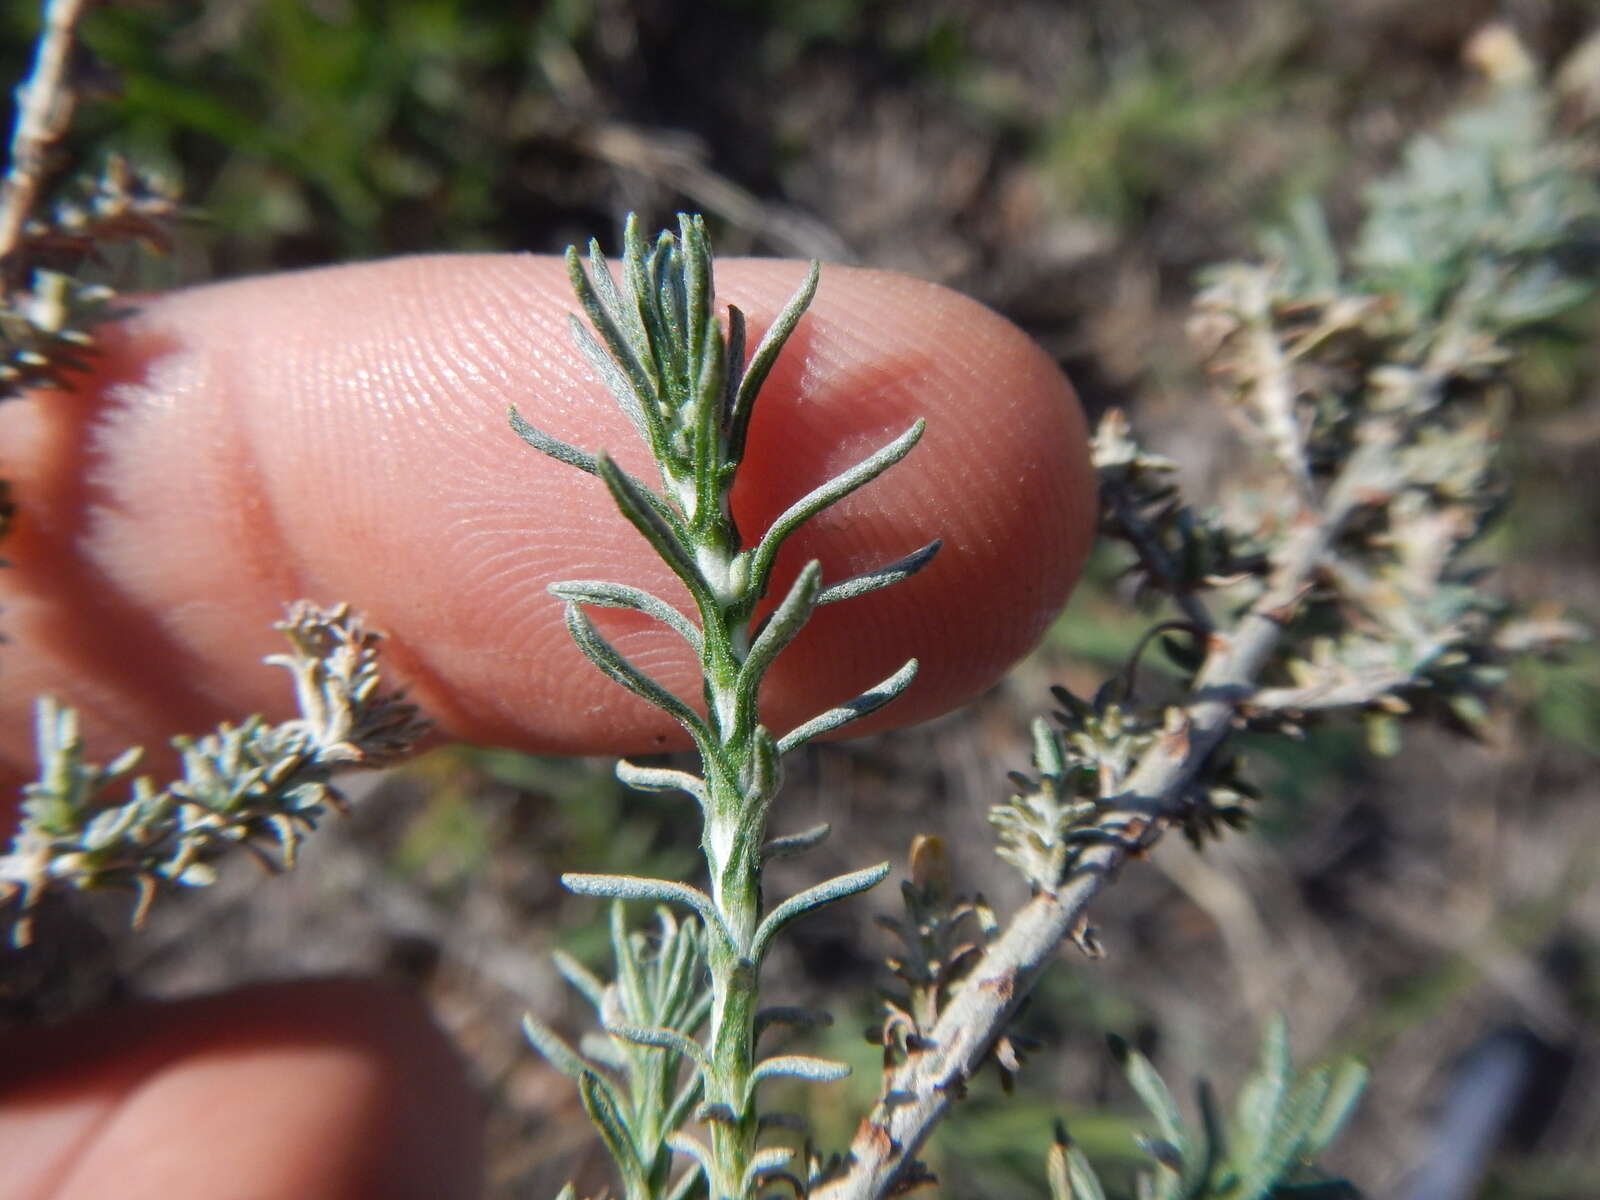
[[341, 435]]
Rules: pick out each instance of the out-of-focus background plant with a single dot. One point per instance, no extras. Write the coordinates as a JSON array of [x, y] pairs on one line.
[[1073, 166]]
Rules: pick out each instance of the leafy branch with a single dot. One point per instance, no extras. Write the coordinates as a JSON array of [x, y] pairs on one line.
[[1340, 581], [255, 785], [47, 235], [1280, 1125], [689, 392]]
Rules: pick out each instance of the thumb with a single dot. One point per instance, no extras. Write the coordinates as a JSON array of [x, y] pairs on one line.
[[341, 435]]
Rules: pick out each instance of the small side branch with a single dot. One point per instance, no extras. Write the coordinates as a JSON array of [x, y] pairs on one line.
[[917, 1093], [45, 110]]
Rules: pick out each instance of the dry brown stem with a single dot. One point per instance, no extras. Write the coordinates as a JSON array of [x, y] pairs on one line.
[[45, 104]]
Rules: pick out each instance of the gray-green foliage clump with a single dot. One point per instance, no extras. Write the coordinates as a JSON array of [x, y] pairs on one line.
[[251, 785], [1280, 1124], [689, 393]]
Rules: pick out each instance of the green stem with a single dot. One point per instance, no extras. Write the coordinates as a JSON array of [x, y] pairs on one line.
[[735, 821]]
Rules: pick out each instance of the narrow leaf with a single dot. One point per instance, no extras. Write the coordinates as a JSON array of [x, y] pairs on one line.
[[795, 843], [765, 1161], [833, 889], [600, 1102], [660, 1038], [637, 887], [1049, 756], [620, 595], [695, 1149], [1262, 1095], [834, 490], [1070, 1175], [791, 1015], [798, 1066], [616, 322], [1282, 1150], [555, 1048], [780, 629], [554, 447], [580, 977], [647, 513], [630, 976], [1154, 1094], [604, 655], [613, 376], [683, 1103], [755, 374], [732, 368], [1349, 1081], [880, 577], [869, 701], [661, 779]]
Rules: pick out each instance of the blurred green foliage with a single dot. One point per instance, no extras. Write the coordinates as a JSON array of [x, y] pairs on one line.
[[315, 131]]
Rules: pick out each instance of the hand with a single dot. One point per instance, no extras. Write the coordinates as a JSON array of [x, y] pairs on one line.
[[342, 435]]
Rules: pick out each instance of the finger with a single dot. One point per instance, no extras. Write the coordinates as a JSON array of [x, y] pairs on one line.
[[341, 435], [326, 1091]]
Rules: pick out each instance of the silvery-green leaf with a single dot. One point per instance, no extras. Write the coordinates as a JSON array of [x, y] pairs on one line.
[[549, 1043], [630, 977], [579, 976], [1263, 1093], [660, 1038], [880, 577], [1049, 756], [604, 655], [798, 1066], [694, 1149], [617, 595], [833, 889], [834, 490], [795, 843], [1349, 1081], [606, 1113], [616, 322], [677, 1114], [764, 778], [661, 779], [1282, 1149], [732, 370], [761, 362], [1153, 1092], [1070, 1175], [613, 376], [638, 887], [764, 1162], [780, 629], [554, 447], [869, 701], [649, 515]]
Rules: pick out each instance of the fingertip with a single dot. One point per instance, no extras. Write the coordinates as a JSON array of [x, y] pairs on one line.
[[342, 435]]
